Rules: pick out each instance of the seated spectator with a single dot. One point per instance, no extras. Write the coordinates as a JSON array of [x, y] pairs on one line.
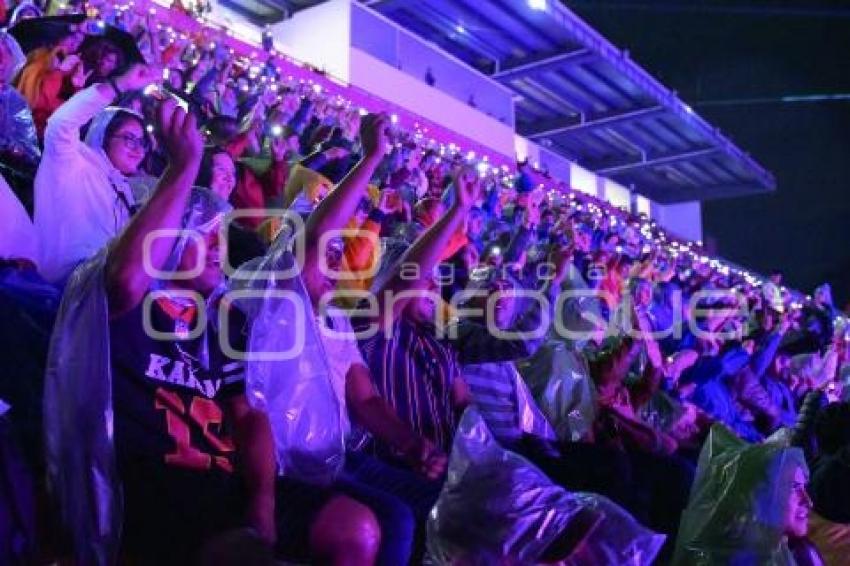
[[747, 502], [185, 437], [82, 196]]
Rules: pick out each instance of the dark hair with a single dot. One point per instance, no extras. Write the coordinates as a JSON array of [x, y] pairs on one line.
[[121, 117], [97, 49], [205, 172]]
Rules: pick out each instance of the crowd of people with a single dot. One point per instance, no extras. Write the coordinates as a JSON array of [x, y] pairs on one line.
[[247, 321]]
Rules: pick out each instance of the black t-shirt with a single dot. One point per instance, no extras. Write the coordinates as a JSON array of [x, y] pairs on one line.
[[168, 394]]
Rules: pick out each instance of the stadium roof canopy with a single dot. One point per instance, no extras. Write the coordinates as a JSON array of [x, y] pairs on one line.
[[581, 97]]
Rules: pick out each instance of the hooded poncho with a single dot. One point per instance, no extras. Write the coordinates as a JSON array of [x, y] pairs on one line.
[[738, 503]]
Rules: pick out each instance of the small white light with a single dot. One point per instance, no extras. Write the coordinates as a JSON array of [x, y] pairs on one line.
[[539, 5], [362, 111], [317, 89], [149, 128], [277, 130], [394, 118], [460, 29]]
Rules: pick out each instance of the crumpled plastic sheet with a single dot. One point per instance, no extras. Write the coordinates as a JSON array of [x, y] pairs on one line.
[[738, 502], [531, 419], [17, 129], [296, 393], [497, 508], [560, 382], [18, 238], [78, 418]]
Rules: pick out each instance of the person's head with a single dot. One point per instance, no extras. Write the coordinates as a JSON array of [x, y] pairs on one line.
[[217, 172], [823, 295], [200, 248], [796, 520], [776, 277], [583, 237], [125, 142], [362, 212], [641, 291], [428, 210], [475, 224], [71, 42], [501, 292], [11, 58], [422, 309], [782, 365], [102, 57], [414, 157], [204, 249]]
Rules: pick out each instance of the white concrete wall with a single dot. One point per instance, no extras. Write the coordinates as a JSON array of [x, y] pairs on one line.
[[320, 36], [617, 194], [682, 219], [398, 87], [583, 180]]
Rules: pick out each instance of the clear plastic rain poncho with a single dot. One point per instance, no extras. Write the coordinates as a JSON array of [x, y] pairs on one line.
[[738, 502], [529, 417], [559, 379], [289, 377], [78, 405], [17, 130], [497, 508]]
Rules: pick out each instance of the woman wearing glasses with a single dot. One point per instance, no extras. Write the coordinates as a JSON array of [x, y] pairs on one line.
[[82, 195]]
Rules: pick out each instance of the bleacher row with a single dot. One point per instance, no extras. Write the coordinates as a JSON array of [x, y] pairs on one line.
[[599, 365]]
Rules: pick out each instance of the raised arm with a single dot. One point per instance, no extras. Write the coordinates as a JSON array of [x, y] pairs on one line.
[[428, 249], [127, 280], [62, 135], [334, 212]]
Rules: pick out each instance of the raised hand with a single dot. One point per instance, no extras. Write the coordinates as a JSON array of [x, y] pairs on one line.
[[180, 136], [467, 186], [278, 147], [375, 134], [138, 77], [80, 76], [426, 459], [69, 63]]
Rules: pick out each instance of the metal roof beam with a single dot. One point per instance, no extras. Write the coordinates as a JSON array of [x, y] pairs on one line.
[[547, 63], [573, 126], [670, 195], [657, 160]]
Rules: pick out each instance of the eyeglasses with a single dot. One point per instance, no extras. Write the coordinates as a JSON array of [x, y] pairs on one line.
[[133, 143]]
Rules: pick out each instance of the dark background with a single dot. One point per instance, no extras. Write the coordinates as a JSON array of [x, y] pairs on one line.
[[720, 56]]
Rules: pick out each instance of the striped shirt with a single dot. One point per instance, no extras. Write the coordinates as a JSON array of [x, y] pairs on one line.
[[492, 387], [413, 372]]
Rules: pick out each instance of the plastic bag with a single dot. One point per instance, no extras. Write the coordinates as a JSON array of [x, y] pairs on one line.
[[18, 238], [497, 508], [559, 380], [78, 418], [295, 390], [738, 502]]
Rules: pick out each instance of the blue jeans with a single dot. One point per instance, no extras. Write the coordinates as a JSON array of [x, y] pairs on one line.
[[371, 477], [395, 498]]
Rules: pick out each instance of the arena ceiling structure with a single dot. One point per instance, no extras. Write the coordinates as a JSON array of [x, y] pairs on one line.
[[581, 97]]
